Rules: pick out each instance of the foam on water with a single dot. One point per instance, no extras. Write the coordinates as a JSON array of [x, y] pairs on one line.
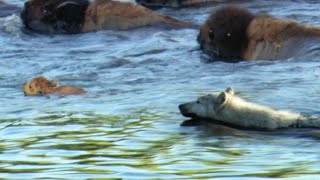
[[11, 24]]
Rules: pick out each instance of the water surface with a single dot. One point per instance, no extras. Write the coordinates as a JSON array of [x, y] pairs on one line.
[[127, 126]]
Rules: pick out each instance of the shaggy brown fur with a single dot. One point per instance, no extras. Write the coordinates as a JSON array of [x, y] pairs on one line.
[[176, 3], [41, 86], [74, 16], [234, 34]]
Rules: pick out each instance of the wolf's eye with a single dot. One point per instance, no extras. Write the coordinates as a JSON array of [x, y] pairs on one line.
[[211, 34], [30, 87], [40, 92]]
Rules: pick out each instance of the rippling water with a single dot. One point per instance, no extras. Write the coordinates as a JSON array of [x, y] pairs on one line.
[[128, 125]]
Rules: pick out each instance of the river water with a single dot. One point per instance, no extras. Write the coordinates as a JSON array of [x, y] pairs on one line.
[[128, 125]]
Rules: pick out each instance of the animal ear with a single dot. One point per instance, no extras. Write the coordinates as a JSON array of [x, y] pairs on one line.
[[54, 83], [221, 99], [230, 90]]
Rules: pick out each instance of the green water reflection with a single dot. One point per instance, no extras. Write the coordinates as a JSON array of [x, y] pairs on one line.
[[143, 145]]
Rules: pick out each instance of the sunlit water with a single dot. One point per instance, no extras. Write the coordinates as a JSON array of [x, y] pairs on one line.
[[127, 126]]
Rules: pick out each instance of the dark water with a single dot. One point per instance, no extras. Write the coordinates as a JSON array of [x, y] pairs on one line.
[[128, 125]]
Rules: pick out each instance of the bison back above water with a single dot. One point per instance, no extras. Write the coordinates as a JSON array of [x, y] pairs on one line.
[[233, 34]]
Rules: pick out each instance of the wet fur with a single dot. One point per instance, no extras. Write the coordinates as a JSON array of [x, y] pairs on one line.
[[154, 4], [69, 18], [174, 3], [233, 34], [43, 16], [227, 109], [41, 86]]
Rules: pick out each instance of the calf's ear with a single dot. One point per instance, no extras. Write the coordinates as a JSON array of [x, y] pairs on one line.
[[54, 83], [230, 90]]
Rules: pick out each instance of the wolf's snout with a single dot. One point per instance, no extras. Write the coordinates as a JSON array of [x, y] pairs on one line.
[[182, 108], [185, 111]]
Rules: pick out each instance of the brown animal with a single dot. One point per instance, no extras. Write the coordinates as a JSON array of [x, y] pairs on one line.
[[76, 16], [8, 9], [234, 34], [176, 3], [41, 86], [154, 4]]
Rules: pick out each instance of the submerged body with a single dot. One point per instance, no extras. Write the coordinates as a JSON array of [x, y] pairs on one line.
[[229, 109], [233, 34], [76, 16], [177, 3], [41, 86]]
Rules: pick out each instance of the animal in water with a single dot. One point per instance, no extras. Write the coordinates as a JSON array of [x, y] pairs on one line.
[[79, 16], [228, 109], [176, 3], [40, 86], [235, 34]]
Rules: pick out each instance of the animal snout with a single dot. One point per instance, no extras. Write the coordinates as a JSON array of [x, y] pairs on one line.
[[182, 108], [185, 110]]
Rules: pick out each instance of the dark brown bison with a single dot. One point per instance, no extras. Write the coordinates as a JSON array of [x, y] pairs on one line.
[[235, 34], [154, 4], [76, 16]]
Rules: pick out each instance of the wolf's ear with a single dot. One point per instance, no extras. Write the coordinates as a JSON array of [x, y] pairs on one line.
[[221, 99], [230, 90]]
